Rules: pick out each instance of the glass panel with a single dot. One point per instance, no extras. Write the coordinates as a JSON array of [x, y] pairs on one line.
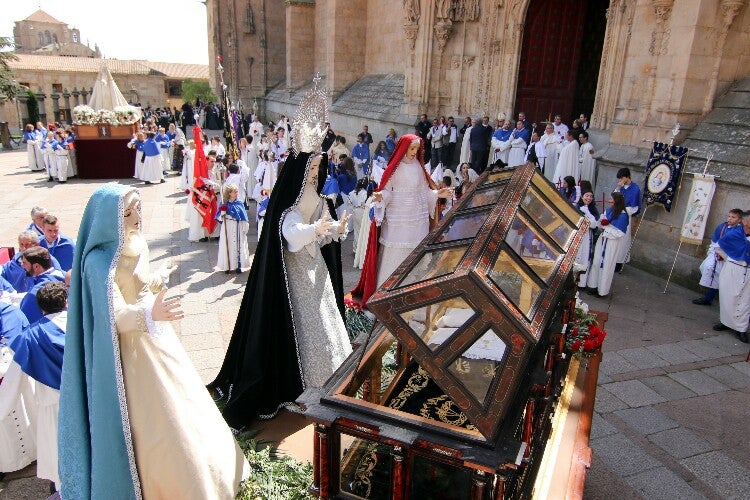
[[366, 468], [556, 198], [434, 264], [499, 176], [550, 221], [489, 196], [515, 284], [476, 367], [435, 323], [431, 479], [526, 242], [463, 226], [379, 371]]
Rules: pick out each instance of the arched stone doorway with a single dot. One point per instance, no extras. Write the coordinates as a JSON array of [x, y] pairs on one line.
[[561, 52]]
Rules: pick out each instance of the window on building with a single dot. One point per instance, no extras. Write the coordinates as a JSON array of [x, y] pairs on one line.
[[54, 38], [47, 38], [25, 84], [74, 37], [173, 88], [41, 39], [57, 87]]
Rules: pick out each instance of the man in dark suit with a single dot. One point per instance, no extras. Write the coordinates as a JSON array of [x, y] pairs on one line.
[[421, 128], [479, 143]]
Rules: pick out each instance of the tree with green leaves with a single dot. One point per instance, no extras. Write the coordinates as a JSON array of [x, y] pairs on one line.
[[9, 87], [192, 90], [32, 105]]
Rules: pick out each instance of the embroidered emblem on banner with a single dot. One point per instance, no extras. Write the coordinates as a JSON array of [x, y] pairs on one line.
[[664, 174]]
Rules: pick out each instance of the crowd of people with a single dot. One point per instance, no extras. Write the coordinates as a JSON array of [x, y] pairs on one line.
[[94, 364]]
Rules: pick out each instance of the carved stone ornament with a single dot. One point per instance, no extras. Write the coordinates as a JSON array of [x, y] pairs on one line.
[[410, 31], [411, 11], [443, 31], [466, 10], [730, 9]]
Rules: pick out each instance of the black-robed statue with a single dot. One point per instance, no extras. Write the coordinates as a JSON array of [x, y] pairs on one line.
[[290, 333]]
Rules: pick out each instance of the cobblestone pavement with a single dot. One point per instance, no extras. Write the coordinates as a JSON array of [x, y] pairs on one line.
[[672, 403]]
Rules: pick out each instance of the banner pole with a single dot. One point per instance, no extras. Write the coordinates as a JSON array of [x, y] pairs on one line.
[[635, 235], [669, 278]]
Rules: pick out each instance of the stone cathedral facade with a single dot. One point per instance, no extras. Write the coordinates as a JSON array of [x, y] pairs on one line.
[[636, 67]]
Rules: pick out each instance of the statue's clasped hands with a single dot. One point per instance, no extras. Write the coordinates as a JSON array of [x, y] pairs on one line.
[[325, 226]]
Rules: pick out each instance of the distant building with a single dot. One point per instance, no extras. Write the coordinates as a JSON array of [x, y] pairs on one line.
[[41, 33], [61, 83]]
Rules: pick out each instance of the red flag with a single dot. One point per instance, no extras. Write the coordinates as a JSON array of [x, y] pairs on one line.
[[204, 197]]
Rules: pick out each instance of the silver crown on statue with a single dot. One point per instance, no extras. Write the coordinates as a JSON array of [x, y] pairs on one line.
[[308, 128]]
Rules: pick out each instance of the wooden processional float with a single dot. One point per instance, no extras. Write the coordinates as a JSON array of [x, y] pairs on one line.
[[463, 388]]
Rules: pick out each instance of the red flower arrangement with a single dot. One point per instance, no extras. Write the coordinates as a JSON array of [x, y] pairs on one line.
[[584, 335]]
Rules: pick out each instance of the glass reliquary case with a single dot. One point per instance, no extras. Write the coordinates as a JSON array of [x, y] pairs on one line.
[[450, 394]]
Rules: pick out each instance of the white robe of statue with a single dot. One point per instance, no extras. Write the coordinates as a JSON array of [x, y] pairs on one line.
[[406, 208], [567, 163]]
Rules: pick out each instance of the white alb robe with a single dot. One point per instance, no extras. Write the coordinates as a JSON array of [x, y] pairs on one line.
[[500, 150], [602, 268], [582, 257], [734, 294], [465, 149], [711, 268], [17, 416], [233, 242], [567, 163], [552, 146], [587, 163], [517, 154]]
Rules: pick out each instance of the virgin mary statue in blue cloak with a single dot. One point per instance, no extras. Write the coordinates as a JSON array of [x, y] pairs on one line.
[[135, 420]]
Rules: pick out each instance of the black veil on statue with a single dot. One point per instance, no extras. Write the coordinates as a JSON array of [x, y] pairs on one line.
[[261, 370]]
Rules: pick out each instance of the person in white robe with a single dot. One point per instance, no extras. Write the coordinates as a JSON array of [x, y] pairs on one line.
[[734, 280], [233, 251], [587, 206], [188, 165], [358, 199], [465, 156], [48, 155], [501, 143], [552, 145], [60, 158], [271, 172], [586, 161], [567, 163], [32, 150], [614, 222], [540, 152], [151, 170], [137, 143], [518, 143], [17, 402], [712, 265], [561, 130]]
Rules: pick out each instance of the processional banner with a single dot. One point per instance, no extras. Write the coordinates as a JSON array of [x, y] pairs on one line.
[[696, 213], [664, 174]]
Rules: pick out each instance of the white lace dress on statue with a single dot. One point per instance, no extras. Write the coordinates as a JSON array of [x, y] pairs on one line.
[[405, 211], [322, 340]]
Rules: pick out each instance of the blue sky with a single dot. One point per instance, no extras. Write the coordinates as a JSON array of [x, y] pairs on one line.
[[173, 31]]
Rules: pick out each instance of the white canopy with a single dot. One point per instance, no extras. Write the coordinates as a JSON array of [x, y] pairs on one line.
[[106, 94]]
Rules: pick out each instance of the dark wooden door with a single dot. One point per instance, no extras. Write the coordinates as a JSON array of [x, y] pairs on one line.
[[550, 56]]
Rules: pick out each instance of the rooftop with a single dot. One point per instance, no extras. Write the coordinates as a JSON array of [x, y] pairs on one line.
[[42, 17], [116, 66]]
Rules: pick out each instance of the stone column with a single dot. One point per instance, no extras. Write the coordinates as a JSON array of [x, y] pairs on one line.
[[300, 36], [84, 95], [23, 108], [66, 102], [55, 106], [75, 96], [347, 33], [40, 97]]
